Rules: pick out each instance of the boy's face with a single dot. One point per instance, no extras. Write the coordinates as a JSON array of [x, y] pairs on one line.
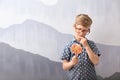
[[81, 31]]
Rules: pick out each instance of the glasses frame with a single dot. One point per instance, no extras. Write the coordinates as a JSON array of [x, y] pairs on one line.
[[82, 30]]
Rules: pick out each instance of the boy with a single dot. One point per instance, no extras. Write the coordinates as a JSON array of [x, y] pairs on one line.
[[81, 66]]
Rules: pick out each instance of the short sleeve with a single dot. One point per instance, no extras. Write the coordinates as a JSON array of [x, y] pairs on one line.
[[66, 54], [94, 48]]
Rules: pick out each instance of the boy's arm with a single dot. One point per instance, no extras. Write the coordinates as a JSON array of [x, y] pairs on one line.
[[67, 65], [93, 57]]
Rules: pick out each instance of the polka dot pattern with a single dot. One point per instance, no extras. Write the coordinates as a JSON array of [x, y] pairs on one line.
[[85, 69]]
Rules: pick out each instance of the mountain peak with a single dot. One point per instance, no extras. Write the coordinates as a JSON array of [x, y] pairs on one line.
[[34, 23]]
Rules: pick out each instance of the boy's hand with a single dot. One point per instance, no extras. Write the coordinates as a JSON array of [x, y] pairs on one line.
[[74, 60], [83, 41]]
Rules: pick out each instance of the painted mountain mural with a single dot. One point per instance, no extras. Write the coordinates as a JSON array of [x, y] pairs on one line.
[[109, 60], [17, 64], [35, 37], [37, 40]]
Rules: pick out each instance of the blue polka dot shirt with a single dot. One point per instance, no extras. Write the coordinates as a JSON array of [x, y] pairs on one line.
[[85, 69]]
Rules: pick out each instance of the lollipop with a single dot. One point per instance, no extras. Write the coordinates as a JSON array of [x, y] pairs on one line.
[[76, 49]]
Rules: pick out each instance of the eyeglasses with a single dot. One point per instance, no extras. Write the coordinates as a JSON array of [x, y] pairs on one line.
[[82, 30]]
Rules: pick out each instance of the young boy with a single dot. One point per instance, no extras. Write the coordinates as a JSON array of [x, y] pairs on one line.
[[81, 66]]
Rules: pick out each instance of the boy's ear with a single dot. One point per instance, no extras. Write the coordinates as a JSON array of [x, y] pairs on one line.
[[88, 31]]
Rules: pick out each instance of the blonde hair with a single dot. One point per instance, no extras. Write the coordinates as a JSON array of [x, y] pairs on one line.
[[83, 19]]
